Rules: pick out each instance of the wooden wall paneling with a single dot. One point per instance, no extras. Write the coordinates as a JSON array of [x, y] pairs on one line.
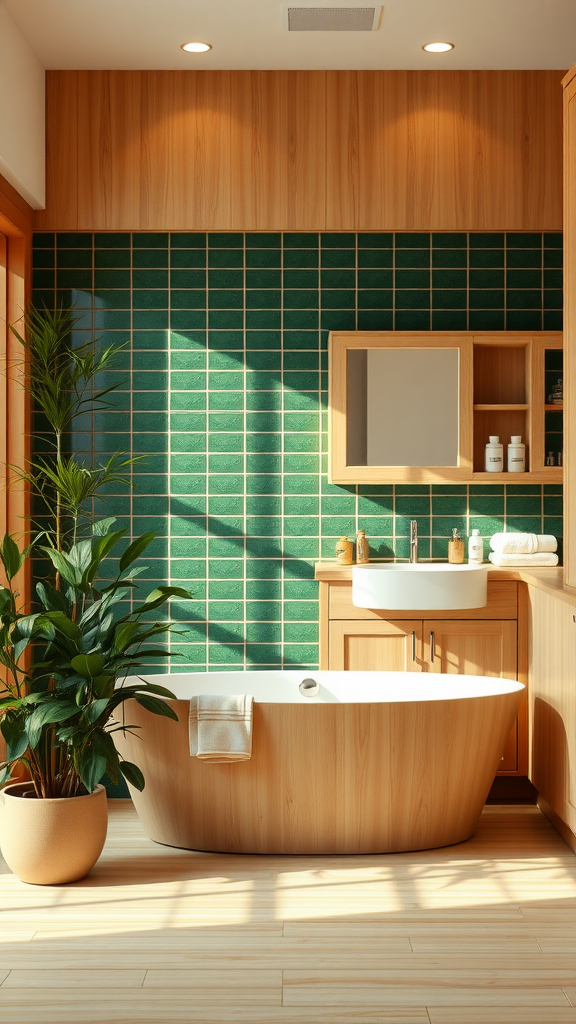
[[465, 150], [111, 150], [278, 150], [62, 172], [202, 159], [552, 697], [272, 150], [570, 329]]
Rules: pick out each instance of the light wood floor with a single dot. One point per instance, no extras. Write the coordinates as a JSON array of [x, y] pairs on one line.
[[479, 933]]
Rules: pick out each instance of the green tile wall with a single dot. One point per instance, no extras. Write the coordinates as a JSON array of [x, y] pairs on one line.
[[226, 367]]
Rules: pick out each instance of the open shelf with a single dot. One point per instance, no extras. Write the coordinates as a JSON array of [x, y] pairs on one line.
[[501, 407], [553, 408]]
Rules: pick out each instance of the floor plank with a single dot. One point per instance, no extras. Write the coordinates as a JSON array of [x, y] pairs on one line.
[[479, 933]]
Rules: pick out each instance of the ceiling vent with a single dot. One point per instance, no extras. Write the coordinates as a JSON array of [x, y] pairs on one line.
[[332, 19]]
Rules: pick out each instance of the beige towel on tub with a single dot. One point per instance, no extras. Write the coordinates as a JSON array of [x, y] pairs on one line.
[[220, 727]]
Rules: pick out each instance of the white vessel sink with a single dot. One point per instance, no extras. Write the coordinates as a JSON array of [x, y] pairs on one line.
[[419, 586]]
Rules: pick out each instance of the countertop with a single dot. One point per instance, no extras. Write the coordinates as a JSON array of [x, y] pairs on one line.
[[547, 578]]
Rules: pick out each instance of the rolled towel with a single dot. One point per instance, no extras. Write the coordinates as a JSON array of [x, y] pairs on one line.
[[220, 727], [523, 543], [542, 558], [514, 543]]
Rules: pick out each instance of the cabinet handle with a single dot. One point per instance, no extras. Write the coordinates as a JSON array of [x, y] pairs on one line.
[[413, 645], [432, 645]]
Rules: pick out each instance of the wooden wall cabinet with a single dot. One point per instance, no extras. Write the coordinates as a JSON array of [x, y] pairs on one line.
[[503, 381], [479, 642]]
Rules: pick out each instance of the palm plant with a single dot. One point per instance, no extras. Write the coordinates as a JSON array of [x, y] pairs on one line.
[[60, 703]]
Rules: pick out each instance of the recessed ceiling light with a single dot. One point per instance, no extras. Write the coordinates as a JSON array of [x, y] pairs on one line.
[[196, 47], [438, 47]]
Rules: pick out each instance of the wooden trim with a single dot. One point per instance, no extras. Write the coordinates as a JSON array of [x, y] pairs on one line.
[[324, 625], [563, 830], [522, 676], [570, 329]]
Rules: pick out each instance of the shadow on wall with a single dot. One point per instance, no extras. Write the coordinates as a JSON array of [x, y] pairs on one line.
[[550, 757]]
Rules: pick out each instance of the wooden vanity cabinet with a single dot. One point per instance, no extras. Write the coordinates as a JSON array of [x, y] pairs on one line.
[[483, 641]]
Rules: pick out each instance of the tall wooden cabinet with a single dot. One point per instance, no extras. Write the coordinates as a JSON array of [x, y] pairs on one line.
[[484, 641], [570, 325]]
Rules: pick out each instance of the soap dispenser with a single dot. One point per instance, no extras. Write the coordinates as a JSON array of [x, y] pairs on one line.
[[362, 548], [475, 548], [494, 455], [456, 548]]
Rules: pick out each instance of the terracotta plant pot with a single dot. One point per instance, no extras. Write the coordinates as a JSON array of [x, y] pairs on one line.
[[49, 842]]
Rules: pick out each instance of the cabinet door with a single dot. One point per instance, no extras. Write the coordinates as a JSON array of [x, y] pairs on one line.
[[381, 646], [479, 649]]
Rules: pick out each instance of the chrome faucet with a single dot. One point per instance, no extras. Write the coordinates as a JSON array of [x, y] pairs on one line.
[[413, 540]]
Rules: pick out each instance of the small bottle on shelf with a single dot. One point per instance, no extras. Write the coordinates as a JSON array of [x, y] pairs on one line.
[[494, 455], [456, 548], [475, 548], [560, 459], [550, 459], [362, 548], [344, 551], [516, 455]]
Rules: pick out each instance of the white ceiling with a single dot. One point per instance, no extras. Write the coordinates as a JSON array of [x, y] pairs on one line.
[[143, 34]]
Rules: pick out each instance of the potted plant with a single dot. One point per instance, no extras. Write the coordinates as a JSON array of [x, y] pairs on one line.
[[60, 703]]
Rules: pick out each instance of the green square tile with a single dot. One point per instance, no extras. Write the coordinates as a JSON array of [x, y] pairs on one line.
[[225, 298], [43, 258], [523, 258], [449, 240], [523, 505], [486, 298], [338, 299], [264, 632], [149, 240], [493, 258], [300, 319], [412, 505], [187, 259], [155, 319], [523, 240], [412, 320], [112, 258], [413, 279], [74, 240], [225, 258], [374, 278], [449, 258], [412, 299], [486, 240], [375, 258], [226, 319], [300, 278], [142, 258], [524, 320], [523, 524], [302, 258], [225, 339], [448, 278], [333, 258], [553, 320], [553, 299], [263, 258], [263, 240], [73, 259], [259, 279], [486, 320], [43, 239], [375, 320], [553, 279], [188, 240], [486, 505], [493, 279], [487, 525], [375, 240], [444, 298], [421, 489], [449, 320], [523, 299], [263, 319], [449, 505], [263, 442], [524, 279], [411, 258], [442, 526], [300, 240]]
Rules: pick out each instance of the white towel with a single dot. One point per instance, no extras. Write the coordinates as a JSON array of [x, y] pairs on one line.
[[542, 558], [523, 543], [220, 727]]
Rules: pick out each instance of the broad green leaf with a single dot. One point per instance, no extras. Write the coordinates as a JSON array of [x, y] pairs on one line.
[[132, 774], [135, 549], [61, 623], [10, 555], [166, 592], [91, 767], [14, 732], [88, 665], [68, 572], [100, 528], [156, 706], [161, 690], [95, 709], [48, 714]]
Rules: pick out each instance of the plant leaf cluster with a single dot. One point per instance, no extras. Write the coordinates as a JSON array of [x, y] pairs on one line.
[[65, 665]]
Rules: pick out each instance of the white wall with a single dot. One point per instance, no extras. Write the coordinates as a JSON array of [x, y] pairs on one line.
[[22, 116]]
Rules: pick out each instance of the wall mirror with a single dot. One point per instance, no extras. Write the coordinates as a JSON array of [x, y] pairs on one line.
[[400, 407]]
